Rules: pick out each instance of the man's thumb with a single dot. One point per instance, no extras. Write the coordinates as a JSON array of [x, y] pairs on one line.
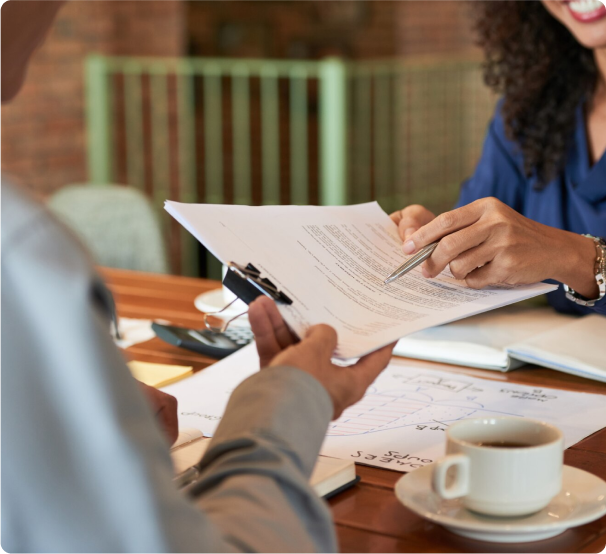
[[323, 338]]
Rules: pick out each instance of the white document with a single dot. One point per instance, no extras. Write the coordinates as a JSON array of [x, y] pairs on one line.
[[483, 340], [204, 396], [134, 331], [400, 423], [332, 261]]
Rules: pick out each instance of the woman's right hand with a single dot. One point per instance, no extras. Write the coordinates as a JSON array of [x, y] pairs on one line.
[[410, 219]]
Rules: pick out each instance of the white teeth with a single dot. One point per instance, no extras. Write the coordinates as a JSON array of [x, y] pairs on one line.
[[585, 6]]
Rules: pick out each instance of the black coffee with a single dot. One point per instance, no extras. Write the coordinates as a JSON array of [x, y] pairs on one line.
[[504, 444]]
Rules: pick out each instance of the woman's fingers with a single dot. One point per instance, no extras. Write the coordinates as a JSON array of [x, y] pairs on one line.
[[409, 219], [409, 231], [453, 246], [445, 224], [482, 277], [471, 260]]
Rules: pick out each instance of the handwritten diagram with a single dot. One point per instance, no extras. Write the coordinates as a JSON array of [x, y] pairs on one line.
[[410, 406]]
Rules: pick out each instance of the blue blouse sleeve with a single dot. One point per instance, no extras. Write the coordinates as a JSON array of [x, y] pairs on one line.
[[499, 172]]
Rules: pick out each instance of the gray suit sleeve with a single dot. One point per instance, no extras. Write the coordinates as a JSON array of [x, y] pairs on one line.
[[268, 442], [84, 466]]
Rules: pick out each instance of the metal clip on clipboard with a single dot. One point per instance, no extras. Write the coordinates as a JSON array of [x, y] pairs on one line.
[[247, 284]]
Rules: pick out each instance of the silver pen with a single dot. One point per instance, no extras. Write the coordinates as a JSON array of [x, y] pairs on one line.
[[413, 262]]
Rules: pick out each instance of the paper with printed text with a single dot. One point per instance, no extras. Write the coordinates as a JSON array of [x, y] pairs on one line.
[[332, 261]]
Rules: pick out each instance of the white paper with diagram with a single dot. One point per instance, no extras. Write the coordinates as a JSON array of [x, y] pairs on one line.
[[401, 421]]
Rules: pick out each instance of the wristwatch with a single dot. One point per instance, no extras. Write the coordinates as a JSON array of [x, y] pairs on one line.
[[600, 275]]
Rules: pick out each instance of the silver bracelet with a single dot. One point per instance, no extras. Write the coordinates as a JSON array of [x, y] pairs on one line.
[[600, 276]]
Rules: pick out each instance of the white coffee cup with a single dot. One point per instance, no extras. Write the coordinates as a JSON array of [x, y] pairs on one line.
[[493, 476]]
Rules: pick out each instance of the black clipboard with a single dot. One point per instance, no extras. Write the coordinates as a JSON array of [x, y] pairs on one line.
[[247, 284]]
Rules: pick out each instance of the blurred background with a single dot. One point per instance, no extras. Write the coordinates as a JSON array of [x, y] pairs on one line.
[[251, 102]]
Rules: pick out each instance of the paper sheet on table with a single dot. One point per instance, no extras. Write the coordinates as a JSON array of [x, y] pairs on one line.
[[134, 331], [401, 421], [158, 375], [203, 397], [331, 261]]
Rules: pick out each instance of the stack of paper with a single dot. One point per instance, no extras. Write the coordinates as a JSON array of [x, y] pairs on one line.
[[332, 262]]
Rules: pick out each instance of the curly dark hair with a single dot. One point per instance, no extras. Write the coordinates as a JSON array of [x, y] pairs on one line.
[[543, 72]]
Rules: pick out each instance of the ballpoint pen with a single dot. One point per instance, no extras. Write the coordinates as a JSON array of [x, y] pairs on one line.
[[413, 262]]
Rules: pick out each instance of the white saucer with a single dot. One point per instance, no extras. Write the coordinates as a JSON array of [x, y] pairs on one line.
[[581, 500], [214, 300]]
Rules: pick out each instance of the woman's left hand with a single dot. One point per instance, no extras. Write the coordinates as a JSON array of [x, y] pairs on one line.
[[487, 242]]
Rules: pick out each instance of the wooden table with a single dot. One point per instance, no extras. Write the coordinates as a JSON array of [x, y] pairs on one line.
[[368, 516]]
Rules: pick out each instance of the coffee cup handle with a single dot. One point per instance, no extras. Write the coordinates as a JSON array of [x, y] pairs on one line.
[[460, 486]]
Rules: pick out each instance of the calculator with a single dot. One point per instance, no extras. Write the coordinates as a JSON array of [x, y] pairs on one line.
[[209, 343]]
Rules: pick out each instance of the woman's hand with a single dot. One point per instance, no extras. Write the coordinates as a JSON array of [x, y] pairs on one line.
[[487, 242], [277, 346], [410, 219]]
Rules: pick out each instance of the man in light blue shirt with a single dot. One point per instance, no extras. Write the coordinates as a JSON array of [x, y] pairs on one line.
[[84, 465]]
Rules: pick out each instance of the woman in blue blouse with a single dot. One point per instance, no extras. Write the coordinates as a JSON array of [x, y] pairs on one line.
[[540, 184]]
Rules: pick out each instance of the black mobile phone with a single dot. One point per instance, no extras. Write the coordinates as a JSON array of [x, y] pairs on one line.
[[209, 343]]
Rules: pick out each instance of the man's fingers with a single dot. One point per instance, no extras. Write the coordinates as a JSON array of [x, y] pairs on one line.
[[164, 407], [443, 225], [283, 334], [169, 419], [370, 366], [323, 338], [263, 329]]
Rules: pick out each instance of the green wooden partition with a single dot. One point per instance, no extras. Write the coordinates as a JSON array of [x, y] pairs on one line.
[[251, 131]]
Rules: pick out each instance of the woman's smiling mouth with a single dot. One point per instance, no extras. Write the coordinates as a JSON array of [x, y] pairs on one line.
[[586, 11]]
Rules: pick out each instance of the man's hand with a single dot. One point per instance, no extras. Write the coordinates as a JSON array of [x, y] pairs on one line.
[[487, 242], [410, 219], [277, 346], [164, 407]]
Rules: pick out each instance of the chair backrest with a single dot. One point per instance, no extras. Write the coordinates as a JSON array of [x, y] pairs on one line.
[[117, 223]]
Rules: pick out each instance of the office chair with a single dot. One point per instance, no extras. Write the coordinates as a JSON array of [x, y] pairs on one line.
[[117, 223]]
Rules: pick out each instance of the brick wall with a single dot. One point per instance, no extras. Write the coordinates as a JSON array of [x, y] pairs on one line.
[[436, 27], [351, 28], [43, 134]]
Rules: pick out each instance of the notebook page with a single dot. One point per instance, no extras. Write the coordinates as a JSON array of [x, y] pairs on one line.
[[577, 348], [481, 340]]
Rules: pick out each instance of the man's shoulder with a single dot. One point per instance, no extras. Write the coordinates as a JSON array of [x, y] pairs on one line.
[[19, 211], [33, 237]]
